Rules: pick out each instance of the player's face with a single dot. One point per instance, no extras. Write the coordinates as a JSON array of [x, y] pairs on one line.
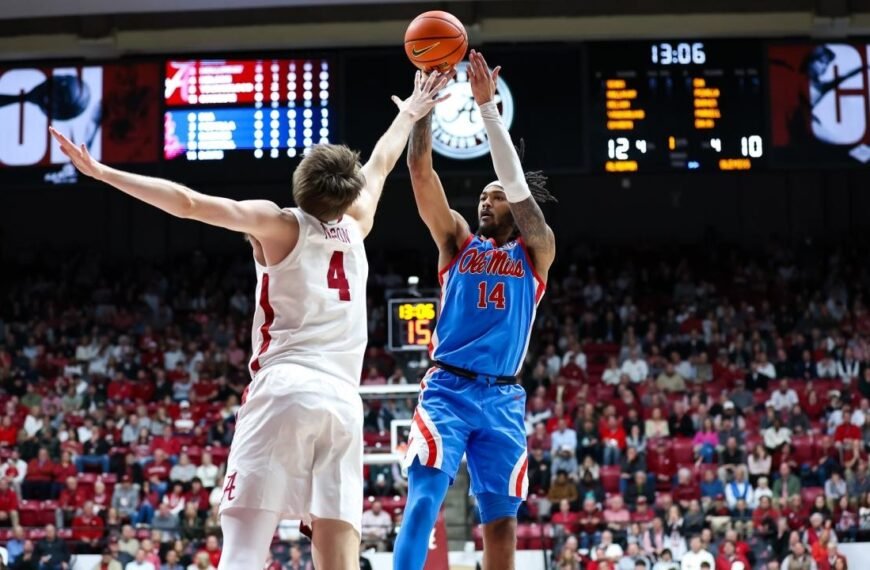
[[493, 212]]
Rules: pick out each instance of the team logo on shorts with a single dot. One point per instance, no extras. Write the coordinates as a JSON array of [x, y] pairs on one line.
[[230, 487], [457, 129]]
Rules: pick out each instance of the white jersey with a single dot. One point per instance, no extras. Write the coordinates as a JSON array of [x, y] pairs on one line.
[[311, 306]]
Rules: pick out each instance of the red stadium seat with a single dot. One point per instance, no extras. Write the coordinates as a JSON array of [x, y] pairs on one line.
[[46, 512], [682, 450], [28, 513], [610, 475], [35, 534], [538, 537], [65, 534], [218, 454], [524, 533], [752, 439], [804, 447], [809, 494]]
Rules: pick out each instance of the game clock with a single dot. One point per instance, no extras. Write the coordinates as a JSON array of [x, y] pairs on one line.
[[412, 324], [676, 106]]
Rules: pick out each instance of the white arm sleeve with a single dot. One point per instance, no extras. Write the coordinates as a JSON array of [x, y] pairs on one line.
[[504, 155]]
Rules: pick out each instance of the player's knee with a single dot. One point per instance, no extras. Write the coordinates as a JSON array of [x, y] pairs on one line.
[[423, 507], [498, 510]]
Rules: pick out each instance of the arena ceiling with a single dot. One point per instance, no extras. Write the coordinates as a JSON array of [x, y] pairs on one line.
[[111, 28]]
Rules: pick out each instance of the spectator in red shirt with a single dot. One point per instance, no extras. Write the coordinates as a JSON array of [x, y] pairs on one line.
[[213, 549], [179, 373], [686, 490], [40, 476], [643, 514], [64, 469], [765, 510], [71, 499], [565, 518], [729, 555], [796, 513], [540, 438], [8, 504], [846, 432], [613, 440], [120, 389], [157, 472], [167, 442], [152, 356], [88, 529], [558, 414], [198, 497], [8, 432], [590, 521]]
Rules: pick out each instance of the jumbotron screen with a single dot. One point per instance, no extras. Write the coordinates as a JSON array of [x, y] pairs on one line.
[[266, 108], [819, 95], [662, 106], [113, 109]]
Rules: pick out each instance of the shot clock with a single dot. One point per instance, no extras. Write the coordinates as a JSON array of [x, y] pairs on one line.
[[412, 323], [676, 106]]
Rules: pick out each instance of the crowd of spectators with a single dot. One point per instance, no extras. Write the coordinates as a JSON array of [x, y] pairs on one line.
[[683, 408], [702, 409]]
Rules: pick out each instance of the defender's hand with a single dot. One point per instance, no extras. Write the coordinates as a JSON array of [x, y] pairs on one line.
[[80, 157], [425, 95]]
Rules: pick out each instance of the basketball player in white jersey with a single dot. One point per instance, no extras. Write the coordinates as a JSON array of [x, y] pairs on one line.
[[297, 451]]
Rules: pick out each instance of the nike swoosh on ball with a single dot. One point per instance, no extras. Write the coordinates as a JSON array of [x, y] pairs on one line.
[[419, 52]]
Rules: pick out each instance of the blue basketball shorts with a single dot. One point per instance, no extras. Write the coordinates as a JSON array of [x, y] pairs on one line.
[[457, 416]]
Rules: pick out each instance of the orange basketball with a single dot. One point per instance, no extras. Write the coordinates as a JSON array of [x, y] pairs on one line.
[[436, 40]]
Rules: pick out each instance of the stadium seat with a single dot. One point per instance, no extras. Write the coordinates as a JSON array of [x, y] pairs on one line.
[[610, 475], [65, 534], [809, 494], [682, 450], [28, 513], [804, 449], [46, 512], [35, 534]]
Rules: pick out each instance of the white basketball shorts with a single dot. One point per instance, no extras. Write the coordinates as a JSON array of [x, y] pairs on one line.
[[298, 447]]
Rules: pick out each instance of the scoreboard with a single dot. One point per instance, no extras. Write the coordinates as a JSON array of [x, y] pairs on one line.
[[676, 106], [664, 106], [266, 108]]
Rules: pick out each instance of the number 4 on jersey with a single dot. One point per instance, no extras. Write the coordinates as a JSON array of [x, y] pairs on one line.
[[494, 296], [336, 279]]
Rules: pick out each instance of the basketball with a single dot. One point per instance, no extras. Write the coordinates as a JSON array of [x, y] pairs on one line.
[[436, 40]]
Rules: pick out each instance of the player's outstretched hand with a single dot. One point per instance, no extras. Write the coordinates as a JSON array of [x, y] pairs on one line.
[[79, 156], [482, 81], [425, 95]]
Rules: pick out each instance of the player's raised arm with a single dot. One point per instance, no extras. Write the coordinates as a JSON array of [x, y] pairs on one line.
[[527, 214], [390, 146], [447, 227], [260, 218]]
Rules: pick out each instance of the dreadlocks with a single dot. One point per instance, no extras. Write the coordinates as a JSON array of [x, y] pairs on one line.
[[536, 179]]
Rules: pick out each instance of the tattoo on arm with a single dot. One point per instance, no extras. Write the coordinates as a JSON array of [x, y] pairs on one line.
[[530, 220], [420, 144]]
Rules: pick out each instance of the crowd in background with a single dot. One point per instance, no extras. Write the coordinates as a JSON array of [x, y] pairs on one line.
[[684, 407]]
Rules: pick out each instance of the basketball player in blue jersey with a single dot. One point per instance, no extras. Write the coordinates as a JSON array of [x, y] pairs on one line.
[[491, 283]]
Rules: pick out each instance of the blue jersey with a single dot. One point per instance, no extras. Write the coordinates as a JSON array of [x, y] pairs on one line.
[[489, 296]]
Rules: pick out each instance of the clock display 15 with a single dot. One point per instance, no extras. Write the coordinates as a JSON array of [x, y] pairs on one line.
[[412, 323]]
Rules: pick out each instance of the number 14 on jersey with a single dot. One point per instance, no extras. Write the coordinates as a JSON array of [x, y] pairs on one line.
[[491, 295]]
